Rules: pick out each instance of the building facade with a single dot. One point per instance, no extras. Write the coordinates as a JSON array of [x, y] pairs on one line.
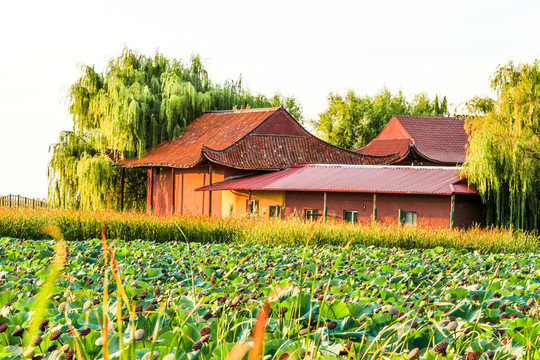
[[220, 145], [431, 196]]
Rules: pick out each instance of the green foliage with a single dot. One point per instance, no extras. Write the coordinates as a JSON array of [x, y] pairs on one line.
[[135, 104], [352, 121], [503, 159]]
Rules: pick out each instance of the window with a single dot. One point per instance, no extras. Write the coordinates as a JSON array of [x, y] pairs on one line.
[[350, 216], [275, 211], [312, 214], [252, 207], [409, 217]]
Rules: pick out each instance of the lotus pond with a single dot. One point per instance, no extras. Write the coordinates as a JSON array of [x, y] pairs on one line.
[[206, 301]]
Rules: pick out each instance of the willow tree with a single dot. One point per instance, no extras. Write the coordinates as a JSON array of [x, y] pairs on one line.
[[503, 159], [351, 121], [136, 103]]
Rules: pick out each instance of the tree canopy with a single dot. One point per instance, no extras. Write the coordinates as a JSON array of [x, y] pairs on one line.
[[136, 103], [503, 159], [352, 121]]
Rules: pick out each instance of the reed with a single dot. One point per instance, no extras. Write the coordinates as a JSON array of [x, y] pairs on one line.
[[128, 226]]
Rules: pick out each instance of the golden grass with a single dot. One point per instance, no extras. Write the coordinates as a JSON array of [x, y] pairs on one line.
[[78, 225]]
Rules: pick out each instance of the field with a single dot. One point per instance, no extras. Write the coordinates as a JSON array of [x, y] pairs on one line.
[[217, 301]]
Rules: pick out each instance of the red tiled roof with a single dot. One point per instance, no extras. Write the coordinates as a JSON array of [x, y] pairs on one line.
[[276, 152], [355, 178], [386, 146], [439, 139], [230, 138], [216, 130]]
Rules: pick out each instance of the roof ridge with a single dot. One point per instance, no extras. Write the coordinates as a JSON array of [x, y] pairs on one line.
[[428, 116], [282, 135], [385, 166], [309, 136], [241, 110]]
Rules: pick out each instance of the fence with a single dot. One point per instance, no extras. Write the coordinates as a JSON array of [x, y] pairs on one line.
[[18, 201]]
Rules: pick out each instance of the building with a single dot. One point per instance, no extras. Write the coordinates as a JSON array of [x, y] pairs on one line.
[[220, 145], [421, 140], [434, 196]]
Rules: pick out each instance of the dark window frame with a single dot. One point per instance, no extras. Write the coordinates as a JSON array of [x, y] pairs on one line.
[[274, 211], [354, 219], [414, 215], [311, 214], [252, 207]]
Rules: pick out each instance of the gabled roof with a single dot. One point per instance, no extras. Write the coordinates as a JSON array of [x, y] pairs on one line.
[[438, 139], [276, 152], [355, 178], [216, 130], [251, 139]]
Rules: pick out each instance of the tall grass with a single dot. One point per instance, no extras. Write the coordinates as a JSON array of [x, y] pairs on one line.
[[77, 225]]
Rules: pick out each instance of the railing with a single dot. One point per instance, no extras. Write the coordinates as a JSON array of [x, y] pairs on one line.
[[18, 201]]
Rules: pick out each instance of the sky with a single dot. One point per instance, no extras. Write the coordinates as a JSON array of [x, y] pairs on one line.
[[305, 49]]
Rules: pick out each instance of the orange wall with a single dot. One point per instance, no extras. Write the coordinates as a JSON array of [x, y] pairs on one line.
[[162, 192], [186, 200]]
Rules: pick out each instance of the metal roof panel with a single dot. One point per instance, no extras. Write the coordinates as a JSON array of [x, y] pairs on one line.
[[355, 178]]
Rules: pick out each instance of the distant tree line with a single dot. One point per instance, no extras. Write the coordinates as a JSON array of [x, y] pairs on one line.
[[351, 121]]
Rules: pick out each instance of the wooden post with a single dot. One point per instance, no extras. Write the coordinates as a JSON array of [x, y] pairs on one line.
[[152, 170], [452, 209], [325, 206], [452, 205], [210, 169], [173, 181], [249, 203], [374, 207], [18, 201], [182, 196], [122, 182]]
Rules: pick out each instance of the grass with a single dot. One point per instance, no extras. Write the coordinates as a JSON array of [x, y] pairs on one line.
[[128, 226]]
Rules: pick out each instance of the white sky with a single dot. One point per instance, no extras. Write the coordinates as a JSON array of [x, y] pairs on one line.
[[302, 48]]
